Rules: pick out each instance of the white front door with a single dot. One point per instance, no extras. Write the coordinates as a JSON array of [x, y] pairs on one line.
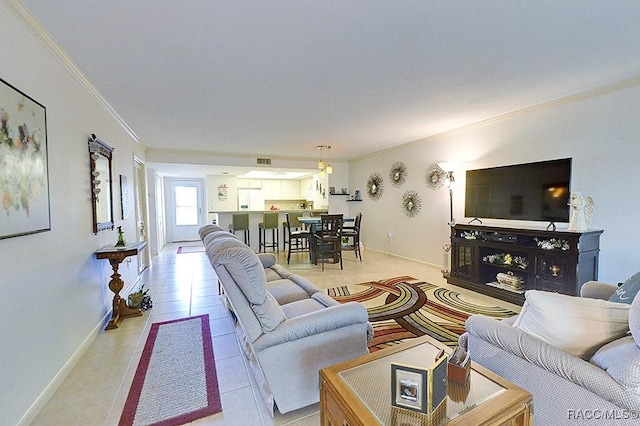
[[186, 209]]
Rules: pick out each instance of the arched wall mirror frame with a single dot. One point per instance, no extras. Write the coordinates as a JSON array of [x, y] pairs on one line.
[[100, 157]]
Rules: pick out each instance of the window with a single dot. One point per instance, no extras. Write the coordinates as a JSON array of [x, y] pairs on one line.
[[186, 205]]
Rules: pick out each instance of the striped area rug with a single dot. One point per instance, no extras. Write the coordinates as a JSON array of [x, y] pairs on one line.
[[176, 380], [403, 308]]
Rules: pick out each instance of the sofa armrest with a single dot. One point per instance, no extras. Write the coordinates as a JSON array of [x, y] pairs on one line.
[[267, 259], [316, 322], [535, 351], [305, 284], [597, 290]]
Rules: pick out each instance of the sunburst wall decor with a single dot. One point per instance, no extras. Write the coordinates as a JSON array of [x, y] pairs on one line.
[[411, 203], [375, 186], [435, 177], [398, 173]]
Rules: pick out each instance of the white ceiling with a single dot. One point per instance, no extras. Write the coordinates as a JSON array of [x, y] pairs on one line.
[[278, 78]]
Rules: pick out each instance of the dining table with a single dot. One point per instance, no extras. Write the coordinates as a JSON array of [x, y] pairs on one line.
[[313, 222]]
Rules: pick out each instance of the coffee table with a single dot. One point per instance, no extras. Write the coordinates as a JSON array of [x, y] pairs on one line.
[[358, 392]]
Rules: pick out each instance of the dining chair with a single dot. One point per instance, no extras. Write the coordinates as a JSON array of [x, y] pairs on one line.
[[328, 239], [290, 222], [353, 233], [297, 240]]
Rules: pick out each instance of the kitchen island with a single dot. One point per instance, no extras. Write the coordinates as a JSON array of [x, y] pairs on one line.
[[224, 219]]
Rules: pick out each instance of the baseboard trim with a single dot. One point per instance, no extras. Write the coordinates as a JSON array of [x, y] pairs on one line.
[[405, 257], [51, 388], [48, 392]]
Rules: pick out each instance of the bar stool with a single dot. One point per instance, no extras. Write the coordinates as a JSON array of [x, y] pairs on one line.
[[241, 223], [269, 221]]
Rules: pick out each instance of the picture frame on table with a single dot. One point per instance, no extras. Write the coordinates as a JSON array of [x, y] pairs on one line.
[[24, 170], [409, 387], [420, 389]]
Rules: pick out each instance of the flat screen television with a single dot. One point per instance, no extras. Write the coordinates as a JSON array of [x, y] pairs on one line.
[[533, 191]]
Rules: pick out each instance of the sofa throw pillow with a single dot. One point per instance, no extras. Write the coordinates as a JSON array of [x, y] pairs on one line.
[[634, 320], [576, 325], [269, 313], [627, 291], [620, 359]]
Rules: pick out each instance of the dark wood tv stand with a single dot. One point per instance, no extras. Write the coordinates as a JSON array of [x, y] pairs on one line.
[[559, 261]]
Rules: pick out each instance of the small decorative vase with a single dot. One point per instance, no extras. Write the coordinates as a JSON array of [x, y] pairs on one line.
[[121, 242]]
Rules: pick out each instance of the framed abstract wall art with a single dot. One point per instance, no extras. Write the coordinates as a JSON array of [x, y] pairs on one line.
[[24, 172]]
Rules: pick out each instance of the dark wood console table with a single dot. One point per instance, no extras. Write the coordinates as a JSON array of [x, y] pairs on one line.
[[559, 261], [115, 256]]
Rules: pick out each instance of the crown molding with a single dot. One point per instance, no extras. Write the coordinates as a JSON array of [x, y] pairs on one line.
[[36, 28]]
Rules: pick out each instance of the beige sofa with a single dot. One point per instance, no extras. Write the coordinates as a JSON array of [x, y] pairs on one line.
[[287, 327], [598, 389]]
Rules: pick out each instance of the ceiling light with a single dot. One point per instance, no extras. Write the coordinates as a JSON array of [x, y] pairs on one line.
[[324, 168]]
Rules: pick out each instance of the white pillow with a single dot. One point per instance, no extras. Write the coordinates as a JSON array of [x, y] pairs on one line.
[[577, 325]]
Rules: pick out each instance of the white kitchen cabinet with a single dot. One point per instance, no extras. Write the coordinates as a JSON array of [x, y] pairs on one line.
[[290, 190], [249, 183], [272, 189]]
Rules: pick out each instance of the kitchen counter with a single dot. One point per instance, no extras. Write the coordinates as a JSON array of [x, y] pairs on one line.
[[224, 219], [300, 211]]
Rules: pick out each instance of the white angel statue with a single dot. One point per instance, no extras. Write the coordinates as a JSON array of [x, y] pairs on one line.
[[581, 211]]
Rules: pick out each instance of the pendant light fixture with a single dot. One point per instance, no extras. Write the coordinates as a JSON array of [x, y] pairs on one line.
[[321, 165]]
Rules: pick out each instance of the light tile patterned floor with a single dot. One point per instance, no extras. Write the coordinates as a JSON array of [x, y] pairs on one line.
[[183, 285]]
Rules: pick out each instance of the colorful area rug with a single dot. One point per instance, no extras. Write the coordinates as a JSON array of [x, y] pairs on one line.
[[190, 249], [176, 381], [402, 308]]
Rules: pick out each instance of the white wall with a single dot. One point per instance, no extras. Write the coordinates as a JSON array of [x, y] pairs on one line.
[[214, 202], [339, 179], [54, 291], [600, 133]]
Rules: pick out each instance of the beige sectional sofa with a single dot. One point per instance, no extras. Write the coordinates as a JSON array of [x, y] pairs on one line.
[[593, 389], [287, 327]]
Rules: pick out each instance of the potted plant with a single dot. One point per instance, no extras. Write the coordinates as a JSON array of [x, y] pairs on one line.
[[135, 299]]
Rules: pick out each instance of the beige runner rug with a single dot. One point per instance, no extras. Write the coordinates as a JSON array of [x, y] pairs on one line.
[[176, 380]]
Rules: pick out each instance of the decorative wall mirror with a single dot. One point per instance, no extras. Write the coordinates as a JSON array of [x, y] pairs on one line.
[[101, 184]]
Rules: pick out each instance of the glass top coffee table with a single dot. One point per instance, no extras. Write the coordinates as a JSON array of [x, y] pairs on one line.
[[358, 392]]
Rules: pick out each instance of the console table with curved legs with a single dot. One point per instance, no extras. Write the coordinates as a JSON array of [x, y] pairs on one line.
[[115, 256]]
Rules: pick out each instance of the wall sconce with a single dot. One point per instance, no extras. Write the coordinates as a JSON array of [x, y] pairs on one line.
[[321, 165]]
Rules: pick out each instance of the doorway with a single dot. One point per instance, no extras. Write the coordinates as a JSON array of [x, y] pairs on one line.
[[185, 209], [140, 199]]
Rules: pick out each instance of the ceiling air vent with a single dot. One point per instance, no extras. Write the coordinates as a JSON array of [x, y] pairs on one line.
[[263, 161]]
